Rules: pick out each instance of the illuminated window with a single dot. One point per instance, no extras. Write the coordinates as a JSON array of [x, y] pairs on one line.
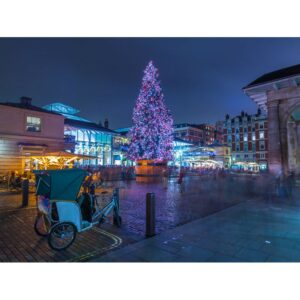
[[245, 138], [33, 124], [261, 135], [253, 137]]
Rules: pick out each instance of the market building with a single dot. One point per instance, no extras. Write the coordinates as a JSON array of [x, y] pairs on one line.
[[247, 137], [121, 143], [84, 137], [222, 154], [278, 93]]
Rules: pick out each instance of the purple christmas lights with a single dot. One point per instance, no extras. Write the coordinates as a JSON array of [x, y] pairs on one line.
[[152, 132]]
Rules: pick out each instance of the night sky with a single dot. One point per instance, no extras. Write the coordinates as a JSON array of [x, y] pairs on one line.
[[201, 78]]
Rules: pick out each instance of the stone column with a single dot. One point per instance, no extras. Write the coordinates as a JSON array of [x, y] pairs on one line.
[[292, 145], [274, 153], [298, 149]]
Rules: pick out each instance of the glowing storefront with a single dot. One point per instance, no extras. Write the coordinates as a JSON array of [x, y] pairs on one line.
[[85, 137]]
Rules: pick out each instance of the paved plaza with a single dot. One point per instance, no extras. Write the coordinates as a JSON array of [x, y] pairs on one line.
[[252, 231], [203, 220], [19, 242]]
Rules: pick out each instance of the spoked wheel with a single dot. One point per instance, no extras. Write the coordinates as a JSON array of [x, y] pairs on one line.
[[40, 225], [62, 235]]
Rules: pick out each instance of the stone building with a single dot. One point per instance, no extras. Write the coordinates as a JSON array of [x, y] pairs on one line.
[[278, 93], [208, 136], [189, 132], [198, 134], [247, 136], [218, 135]]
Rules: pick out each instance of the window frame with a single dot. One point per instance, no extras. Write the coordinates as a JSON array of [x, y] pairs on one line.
[[33, 124]]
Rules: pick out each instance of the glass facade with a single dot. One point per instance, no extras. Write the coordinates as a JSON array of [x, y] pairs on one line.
[[92, 143], [84, 137]]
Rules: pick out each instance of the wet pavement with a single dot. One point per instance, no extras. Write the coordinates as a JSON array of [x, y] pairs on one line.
[[251, 231], [179, 204], [197, 199]]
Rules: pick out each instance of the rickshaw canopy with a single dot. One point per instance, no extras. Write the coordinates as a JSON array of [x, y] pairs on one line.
[[59, 184]]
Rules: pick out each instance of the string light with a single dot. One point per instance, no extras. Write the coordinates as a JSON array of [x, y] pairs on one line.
[[152, 132]]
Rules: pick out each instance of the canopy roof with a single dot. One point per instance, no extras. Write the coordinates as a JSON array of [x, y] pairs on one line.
[[60, 184], [62, 154]]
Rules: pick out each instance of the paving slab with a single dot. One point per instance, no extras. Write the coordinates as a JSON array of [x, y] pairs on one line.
[[260, 238]]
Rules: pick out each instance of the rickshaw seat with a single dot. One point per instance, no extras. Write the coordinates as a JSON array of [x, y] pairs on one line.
[[69, 211]]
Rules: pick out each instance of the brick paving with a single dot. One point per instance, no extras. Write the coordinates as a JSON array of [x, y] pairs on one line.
[[19, 242], [175, 205]]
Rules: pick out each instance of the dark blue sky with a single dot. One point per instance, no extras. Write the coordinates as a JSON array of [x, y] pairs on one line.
[[201, 78]]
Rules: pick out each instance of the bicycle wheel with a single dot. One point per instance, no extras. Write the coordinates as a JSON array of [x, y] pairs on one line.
[[62, 235], [40, 226]]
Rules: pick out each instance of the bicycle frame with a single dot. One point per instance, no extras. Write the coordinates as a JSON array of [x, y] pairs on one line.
[[102, 213]]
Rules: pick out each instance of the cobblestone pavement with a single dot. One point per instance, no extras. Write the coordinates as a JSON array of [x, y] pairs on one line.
[[252, 231], [19, 242], [179, 204], [175, 205]]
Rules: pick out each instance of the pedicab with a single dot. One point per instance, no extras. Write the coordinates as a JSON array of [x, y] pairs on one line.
[[63, 210]]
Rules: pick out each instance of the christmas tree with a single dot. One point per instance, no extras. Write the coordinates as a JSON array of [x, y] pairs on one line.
[[152, 132]]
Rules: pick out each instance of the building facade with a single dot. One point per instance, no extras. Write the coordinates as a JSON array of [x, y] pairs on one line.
[[278, 93], [85, 137], [208, 133], [247, 136], [219, 132], [189, 132], [198, 134], [27, 130]]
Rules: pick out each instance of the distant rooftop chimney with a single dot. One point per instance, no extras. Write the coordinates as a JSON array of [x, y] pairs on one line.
[[25, 100], [106, 123]]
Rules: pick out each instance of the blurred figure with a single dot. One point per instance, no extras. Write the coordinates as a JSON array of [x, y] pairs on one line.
[[165, 176], [180, 179], [269, 187], [123, 174], [290, 185]]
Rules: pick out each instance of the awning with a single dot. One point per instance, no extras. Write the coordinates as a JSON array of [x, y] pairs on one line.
[[64, 154], [68, 155]]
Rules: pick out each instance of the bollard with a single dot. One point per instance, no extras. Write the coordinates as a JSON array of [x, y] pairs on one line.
[[150, 214], [25, 192], [116, 211]]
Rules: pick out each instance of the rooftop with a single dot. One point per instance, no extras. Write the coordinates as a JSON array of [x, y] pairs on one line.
[[87, 125], [65, 110], [27, 106], [276, 75]]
